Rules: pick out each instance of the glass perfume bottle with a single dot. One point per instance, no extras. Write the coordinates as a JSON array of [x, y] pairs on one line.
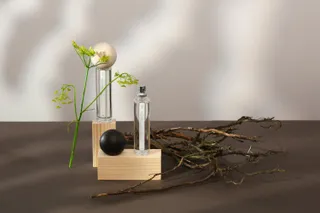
[[104, 101], [142, 122]]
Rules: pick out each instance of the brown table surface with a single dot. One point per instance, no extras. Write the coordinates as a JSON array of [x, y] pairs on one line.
[[34, 176]]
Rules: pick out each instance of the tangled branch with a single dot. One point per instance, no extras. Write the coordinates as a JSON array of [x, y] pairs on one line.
[[203, 149]]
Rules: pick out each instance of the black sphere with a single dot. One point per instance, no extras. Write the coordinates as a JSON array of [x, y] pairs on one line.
[[112, 142]]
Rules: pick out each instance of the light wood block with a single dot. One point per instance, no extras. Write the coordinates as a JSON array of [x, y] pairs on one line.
[[98, 128], [129, 166]]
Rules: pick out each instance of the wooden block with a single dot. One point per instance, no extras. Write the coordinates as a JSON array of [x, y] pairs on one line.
[[98, 128], [129, 166]]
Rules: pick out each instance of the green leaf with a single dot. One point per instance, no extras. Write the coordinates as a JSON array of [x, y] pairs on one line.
[[82, 50], [126, 79], [75, 45], [104, 58], [91, 52], [62, 95], [58, 107]]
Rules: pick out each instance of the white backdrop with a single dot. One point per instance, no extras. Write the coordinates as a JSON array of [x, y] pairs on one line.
[[200, 59]]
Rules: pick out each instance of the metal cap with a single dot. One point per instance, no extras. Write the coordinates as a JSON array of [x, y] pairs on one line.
[[142, 91]]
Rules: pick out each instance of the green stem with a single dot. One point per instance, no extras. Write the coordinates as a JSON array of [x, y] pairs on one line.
[[74, 143], [76, 131], [81, 58], [75, 102], [84, 91], [96, 65], [74, 99], [85, 109]]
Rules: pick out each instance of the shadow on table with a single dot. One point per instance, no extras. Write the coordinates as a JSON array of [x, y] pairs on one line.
[[286, 196], [38, 179]]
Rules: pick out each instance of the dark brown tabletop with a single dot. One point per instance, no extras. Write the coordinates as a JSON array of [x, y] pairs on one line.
[[34, 174]]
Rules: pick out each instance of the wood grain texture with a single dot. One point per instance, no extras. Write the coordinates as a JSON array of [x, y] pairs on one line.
[[98, 128], [129, 166]]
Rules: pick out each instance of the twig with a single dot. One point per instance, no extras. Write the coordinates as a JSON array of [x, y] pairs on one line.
[[211, 174], [211, 130], [202, 151], [245, 119]]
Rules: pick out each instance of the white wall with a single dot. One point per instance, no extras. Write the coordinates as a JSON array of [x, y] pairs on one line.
[[200, 59]]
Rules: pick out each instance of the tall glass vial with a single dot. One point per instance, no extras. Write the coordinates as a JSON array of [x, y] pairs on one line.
[[104, 101], [142, 122]]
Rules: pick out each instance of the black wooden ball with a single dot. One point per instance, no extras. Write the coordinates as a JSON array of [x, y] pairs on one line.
[[112, 142]]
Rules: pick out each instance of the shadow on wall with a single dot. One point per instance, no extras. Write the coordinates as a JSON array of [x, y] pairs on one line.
[[295, 61], [36, 39], [110, 22], [198, 61], [176, 80], [166, 45], [268, 61], [176, 53]]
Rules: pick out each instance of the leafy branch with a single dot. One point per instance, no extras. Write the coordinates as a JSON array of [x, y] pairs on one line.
[[62, 96]]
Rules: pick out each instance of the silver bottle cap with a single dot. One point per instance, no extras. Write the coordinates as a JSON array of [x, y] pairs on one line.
[[142, 91]]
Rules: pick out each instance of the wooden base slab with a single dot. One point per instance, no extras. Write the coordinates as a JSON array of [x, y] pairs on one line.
[[129, 166], [98, 128]]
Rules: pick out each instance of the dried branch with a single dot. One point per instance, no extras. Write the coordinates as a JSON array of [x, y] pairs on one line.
[[199, 130], [211, 174], [203, 150], [131, 189], [247, 119]]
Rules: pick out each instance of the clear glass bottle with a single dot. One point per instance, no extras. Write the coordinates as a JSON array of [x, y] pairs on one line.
[[142, 122], [104, 101]]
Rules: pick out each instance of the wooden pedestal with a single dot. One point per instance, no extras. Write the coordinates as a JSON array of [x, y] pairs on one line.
[[98, 128], [129, 166]]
